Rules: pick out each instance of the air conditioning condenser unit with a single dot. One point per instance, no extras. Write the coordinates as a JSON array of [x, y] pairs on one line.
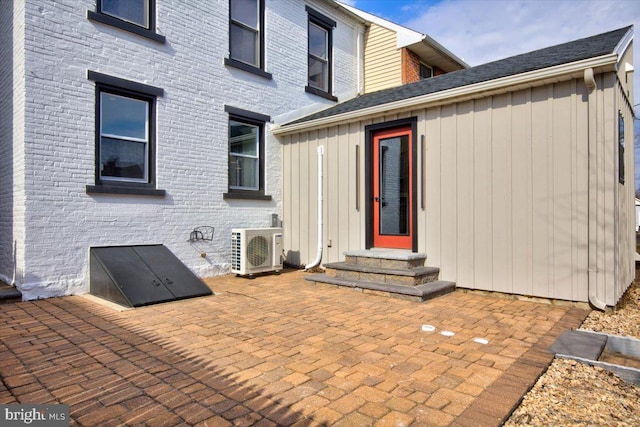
[[256, 250]]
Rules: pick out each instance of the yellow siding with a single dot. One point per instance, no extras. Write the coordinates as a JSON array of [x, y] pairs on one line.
[[506, 191], [382, 59]]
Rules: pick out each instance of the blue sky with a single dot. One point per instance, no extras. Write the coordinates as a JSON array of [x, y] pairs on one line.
[[480, 31]]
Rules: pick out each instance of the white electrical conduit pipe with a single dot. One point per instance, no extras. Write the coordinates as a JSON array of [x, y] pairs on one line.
[[15, 263], [316, 261]]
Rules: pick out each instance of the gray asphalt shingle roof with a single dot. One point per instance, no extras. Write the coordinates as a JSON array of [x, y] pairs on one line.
[[590, 47]]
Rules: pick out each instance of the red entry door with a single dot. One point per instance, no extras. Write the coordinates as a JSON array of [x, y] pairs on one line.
[[392, 188]]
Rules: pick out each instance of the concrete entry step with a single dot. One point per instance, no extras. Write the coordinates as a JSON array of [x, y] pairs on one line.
[[421, 292], [386, 258], [365, 272]]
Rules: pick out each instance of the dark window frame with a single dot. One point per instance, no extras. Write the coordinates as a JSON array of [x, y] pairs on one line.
[[113, 21], [254, 119], [621, 171], [428, 67], [134, 90], [258, 70], [327, 24]]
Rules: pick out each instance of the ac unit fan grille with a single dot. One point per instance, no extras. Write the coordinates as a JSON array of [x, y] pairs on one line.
[[258, 251]]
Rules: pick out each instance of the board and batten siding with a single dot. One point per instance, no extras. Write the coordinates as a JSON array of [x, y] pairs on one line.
[[382, 59], [626, 238], [506, 191]]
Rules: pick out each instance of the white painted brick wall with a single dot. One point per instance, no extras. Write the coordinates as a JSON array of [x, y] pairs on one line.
[[12, 101], [61, 44]]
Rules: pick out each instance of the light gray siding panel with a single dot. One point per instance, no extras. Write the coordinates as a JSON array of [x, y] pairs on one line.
[[333, 191], [521, 194], [356, 239], [344, 175], [501, 182], [482, 196], [581, 188], [562, 173], [433, 205], [464, 194], [541, 274], [305, 185], [448, 201]]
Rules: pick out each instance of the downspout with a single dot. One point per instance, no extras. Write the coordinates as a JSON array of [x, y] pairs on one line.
[[316, 261], [359, 60], [15, 263], [590, 83]]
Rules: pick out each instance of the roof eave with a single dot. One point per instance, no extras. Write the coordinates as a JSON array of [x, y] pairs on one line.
[[433, 44], [514, 82]]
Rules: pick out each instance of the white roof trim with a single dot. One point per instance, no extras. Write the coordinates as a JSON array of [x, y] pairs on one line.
[[624, 43], [405, 37], [518, 80]]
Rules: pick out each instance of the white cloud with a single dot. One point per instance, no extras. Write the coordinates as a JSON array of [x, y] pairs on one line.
[[480, 31]]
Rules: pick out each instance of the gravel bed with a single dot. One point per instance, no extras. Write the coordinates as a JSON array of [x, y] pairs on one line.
[[572, 393]]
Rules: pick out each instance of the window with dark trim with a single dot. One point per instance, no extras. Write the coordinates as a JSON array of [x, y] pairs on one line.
[[246, 154], [246, 36], [425, 71], [620, 148], [320, 55], [125, 136], [135, 16]]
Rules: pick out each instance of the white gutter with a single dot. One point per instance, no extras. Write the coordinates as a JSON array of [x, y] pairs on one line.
[[316, 261], [590, 82], [551, 74]]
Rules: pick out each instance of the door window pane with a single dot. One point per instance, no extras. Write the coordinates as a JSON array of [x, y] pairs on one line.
[[394, 185], [134, 11]]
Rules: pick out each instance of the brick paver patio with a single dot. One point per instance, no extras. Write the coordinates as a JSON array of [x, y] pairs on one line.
[[279, 351]]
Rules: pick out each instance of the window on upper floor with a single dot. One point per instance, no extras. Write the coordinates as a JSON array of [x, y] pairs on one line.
[[425, 71], [135, 16], [246, 36], [320, 54], [620, 148], [246, 154], [134, 11], [125, 136]]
